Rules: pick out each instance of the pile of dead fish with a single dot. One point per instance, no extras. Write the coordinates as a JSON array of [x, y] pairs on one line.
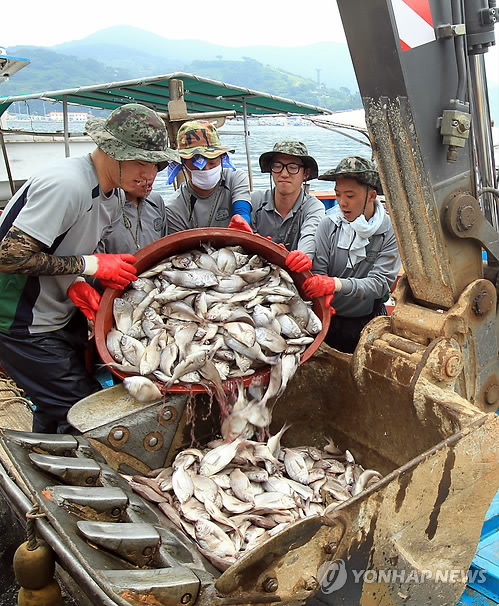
[[231, 496], [209, 315]]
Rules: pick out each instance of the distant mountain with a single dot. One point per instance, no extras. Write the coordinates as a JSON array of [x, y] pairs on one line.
[[51, 70], [154, 54]]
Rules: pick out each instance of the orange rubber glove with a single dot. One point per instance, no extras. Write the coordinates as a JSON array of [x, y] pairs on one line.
[[237, 222], [114, 271], [85, 297], [318, 286], [297, 260]]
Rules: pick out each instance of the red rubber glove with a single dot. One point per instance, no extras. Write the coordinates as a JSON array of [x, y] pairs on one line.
[[114, 271], [237, 222], [328, 301], [318, 286], [85, 297], [297, 260]]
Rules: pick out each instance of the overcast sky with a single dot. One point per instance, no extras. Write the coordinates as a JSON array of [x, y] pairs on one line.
[[232, 24]]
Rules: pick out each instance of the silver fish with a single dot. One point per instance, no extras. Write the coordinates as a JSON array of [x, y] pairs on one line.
[[134, 296], [192, 278], [254, 275], [214, 540], [144, 284], [241, 331], [168, 358], [179, 310], [122, 313], [289, 327], [132, 349], [255, 352], [192, 362], [217, 459], [295, 466], [270, 340], [230, 284], [182, 484], [155, 270], [205, 261], [113, 339], [142, 389], [241, 486], [151, 357], [226, 261]]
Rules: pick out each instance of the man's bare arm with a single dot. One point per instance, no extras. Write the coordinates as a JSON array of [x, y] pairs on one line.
[[22, 254]]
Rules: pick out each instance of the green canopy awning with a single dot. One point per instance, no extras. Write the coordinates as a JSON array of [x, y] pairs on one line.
[[200, 95]]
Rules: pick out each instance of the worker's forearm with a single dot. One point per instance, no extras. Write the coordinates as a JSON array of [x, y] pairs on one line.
[[21, 254]]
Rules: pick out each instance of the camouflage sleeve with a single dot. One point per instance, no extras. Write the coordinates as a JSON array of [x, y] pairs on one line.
[[22, 254]]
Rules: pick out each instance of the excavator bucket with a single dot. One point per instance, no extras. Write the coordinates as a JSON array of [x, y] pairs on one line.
[[407, 540]]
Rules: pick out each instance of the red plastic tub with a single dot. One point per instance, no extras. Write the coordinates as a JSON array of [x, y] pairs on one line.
[[191, 239]]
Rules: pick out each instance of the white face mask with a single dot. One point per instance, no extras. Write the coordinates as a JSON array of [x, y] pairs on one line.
[[206, 179]]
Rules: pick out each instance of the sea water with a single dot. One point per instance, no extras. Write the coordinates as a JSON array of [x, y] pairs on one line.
[[325, 146]]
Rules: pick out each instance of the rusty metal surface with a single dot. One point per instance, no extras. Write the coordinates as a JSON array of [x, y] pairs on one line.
[[438, 267], [471, 323]]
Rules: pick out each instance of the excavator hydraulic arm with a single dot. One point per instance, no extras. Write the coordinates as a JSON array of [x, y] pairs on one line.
[[421, 74]]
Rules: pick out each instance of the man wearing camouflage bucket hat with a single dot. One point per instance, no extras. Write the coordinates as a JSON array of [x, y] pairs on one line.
[[48, 235], [286, 213], [356, 257], [214, 191]]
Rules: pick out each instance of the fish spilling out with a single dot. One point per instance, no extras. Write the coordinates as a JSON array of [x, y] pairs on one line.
[[216, 317], [231, 496], [208, 316]]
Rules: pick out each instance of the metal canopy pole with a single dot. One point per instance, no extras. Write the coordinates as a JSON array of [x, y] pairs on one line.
[[246, 144], [66, 123], [7, 165]]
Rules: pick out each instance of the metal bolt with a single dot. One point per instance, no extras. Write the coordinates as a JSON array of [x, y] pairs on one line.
[[311, 584], [153, 441], [116, 512], [89, 480], [330, 547], [118, 434], [186, 598], [167, 415], [453, 366], [465, 217], [492, 394], [481, 304], [147, 551], [270, 585]]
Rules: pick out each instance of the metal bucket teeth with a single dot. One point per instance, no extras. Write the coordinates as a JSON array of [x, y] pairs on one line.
[[175, 585], [72, 470], [137, 543], [89, 502], [54, 444]]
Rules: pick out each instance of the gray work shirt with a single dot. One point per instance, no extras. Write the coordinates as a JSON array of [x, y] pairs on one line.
[[152, 226], [64, 208], [187, 210], [297, 229], [368, 280]]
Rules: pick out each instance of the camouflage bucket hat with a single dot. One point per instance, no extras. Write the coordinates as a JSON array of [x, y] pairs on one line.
[[292, 148], [132, 132], [356, 167], [199, 137]]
